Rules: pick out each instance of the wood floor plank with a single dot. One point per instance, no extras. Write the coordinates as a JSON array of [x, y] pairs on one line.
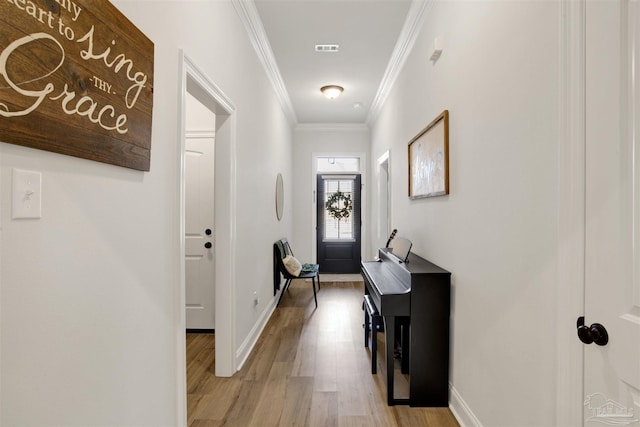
[[193, 400], [351, 383], [297, 402], [268, 408], [325, 368], [201, 351], [305, 358], [216, 404], [439, 417], [357, 421], [241, 412], [207, 423], [259, 363], [324, 409], [410, 418], [290, 338], [308, 368]]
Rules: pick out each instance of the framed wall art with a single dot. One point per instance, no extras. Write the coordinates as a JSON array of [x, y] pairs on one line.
[[76, 78], [429, 160]]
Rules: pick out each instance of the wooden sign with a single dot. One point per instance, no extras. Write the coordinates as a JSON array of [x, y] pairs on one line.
[[76, 77]]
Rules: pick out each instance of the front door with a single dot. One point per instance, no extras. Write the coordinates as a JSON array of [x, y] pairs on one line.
[[612, 214], [338, 223]]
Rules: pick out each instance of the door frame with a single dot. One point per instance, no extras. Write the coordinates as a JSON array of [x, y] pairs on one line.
[[384, 189], [364, 251], [193, 79], [571, 171]]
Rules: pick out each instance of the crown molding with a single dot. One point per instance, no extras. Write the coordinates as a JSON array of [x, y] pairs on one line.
[[404, 45], [249, 17]]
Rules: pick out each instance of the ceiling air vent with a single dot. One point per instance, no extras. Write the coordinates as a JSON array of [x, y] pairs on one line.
[[327, 48]]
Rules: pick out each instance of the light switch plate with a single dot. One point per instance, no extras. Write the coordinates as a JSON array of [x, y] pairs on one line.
[[27, 194]]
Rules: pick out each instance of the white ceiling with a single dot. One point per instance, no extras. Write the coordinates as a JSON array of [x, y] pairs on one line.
[[367, 31]]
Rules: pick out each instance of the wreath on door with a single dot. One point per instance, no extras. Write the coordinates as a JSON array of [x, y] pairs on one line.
[[339, 205]]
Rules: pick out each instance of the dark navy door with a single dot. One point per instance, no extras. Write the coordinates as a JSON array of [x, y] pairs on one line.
[[338, 223]]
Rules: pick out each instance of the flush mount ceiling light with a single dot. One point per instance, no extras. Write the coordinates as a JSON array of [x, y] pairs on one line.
[[331, 91]]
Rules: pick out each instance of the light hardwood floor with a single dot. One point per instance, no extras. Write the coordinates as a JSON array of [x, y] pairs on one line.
[[309, 368]]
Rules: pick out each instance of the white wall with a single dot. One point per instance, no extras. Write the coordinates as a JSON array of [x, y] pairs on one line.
[[329, 139], [199, 117], [89, 292], [496, 231]]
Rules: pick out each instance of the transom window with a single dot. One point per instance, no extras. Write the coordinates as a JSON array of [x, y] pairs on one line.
[[338, 164]]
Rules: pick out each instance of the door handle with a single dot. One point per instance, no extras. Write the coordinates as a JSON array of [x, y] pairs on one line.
[[207, 232], [208, 245], [596, 333]]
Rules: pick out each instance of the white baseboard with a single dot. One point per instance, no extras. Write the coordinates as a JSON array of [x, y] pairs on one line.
[[247, 345], [460, 409]]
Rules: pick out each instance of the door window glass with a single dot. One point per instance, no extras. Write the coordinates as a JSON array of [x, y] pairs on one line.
[[338, 212]]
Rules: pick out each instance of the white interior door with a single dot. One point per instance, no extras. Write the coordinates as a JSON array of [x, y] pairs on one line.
[[612, 213], [199, 217]]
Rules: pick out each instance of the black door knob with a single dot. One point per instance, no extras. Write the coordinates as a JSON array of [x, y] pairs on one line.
[[596, 333], [207, 232], [599, 334], [208, 245], [584, 334]]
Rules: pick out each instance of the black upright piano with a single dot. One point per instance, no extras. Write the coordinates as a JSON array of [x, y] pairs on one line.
[[416, 294]]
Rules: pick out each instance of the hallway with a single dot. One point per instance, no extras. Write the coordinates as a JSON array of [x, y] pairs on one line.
[[309, 368]]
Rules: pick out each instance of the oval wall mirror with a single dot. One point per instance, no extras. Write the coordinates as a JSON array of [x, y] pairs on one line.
[[279, 197]]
